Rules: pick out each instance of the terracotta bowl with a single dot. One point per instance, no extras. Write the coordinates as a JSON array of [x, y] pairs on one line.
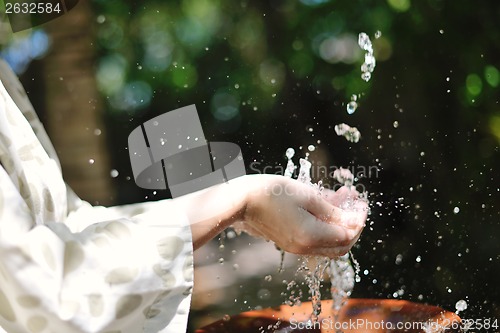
[[358, 315]]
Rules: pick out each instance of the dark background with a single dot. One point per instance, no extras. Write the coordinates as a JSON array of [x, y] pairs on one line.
[[112, 64]]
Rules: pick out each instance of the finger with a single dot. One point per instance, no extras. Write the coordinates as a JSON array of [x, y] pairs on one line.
[[352, 215], [317, 234], [329, 250], [312, 201], [355, 216], [332, 253], [343, 194]]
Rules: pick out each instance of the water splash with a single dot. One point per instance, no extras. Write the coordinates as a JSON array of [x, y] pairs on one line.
[[364, 42], [350, 133], [342, 279], [282, 261], [352, 105], [295, 297], [369, 64], [461, 305], [314, 269], [290, 166], [304, 171], [343, 176], [343, 271]]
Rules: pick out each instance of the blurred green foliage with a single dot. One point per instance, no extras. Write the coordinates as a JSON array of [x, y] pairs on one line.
[[244, 49]]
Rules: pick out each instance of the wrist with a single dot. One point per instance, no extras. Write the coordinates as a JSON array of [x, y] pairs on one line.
[[214, 209]]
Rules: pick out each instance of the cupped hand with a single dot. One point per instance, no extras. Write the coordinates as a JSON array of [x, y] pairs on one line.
[[300, 219]]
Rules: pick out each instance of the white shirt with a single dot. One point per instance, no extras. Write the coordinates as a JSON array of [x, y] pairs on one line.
[[66, 266]]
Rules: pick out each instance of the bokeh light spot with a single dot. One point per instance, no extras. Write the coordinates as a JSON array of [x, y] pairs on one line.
[[474, 84], [492, 76], [399, 5]]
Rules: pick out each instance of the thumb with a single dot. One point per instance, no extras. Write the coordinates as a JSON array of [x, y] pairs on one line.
[[315, 204]]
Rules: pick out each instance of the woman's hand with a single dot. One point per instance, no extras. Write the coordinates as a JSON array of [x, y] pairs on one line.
[[293, 215], [301, 220]]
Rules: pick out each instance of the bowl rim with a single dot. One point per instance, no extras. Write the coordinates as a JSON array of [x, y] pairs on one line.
[[445, 320]]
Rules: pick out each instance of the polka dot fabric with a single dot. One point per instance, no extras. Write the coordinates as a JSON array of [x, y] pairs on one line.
[[66, 266]]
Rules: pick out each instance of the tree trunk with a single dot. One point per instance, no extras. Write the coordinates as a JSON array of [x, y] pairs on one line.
[[73, 109]]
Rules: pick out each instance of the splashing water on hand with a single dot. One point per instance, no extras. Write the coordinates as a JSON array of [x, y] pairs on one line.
[[343, 274]]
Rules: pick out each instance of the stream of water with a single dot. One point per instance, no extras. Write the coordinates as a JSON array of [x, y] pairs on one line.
[[343, 271]]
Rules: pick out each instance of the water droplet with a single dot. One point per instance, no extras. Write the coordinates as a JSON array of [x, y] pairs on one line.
[[399, 259], [461, 305], [364, 42], [179, 147], [309, 129], [395, 124], [263, 294], [378, 34], [345, 177], [91, 161], [311, 148], [369, 62], [155, 123], [221, 261], [289, 153], [441, 31], [456, 210], [350, 133], [354, 97], [97, 132], [418, 259], [114, 173], [268, 278], [351, 107], [226, 317], [366, 76]]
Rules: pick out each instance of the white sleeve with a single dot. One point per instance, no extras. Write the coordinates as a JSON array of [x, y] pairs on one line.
[[107, 270]]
